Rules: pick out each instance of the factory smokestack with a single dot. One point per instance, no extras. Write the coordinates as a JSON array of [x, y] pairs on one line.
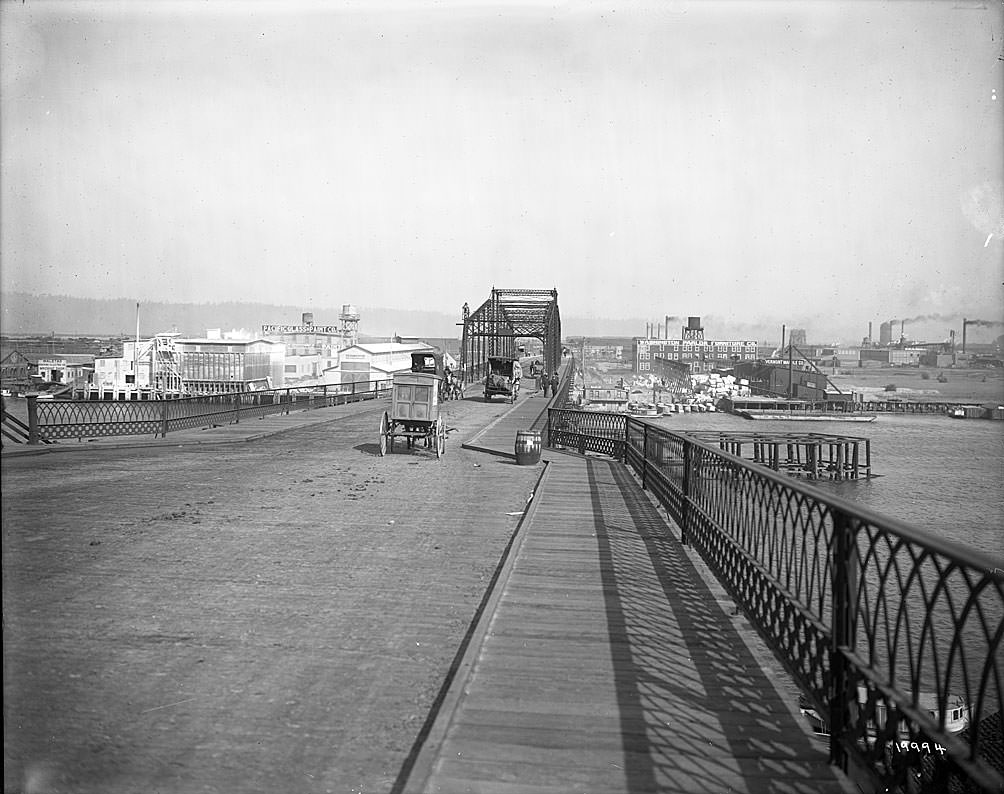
[[869, 332], [965, 322]]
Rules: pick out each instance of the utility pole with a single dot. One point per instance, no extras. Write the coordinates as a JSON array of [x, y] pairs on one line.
[[791, 388]]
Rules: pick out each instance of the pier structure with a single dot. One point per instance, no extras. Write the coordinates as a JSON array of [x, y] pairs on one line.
[[611, 621], [971, 410], [815, 456], [766, 407]]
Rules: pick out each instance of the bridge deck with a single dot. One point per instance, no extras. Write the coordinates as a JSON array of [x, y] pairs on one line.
[[603, 662], [499, 436], [607, 665]]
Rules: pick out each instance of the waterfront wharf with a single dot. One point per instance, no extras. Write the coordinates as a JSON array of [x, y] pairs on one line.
[[299, 614], [901, 405], [860, 410]]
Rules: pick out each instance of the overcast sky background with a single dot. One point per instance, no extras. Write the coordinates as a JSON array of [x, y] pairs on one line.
[[824, 164]]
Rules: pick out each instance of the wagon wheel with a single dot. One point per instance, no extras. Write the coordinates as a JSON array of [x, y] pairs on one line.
[[384, 434], [440, 438]]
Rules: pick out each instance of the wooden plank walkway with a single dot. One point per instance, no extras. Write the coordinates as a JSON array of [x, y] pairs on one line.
[[528, 413], [606, 665]]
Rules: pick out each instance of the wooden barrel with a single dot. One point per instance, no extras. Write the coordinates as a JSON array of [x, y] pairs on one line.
[[527, 447]]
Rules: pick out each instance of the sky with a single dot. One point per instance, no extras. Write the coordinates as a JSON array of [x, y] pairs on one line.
[[819, 163]]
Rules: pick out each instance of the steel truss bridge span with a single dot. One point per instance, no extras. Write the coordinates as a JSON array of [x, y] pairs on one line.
[[508, 315]]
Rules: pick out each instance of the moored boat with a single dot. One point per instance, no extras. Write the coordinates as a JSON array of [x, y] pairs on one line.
[[956, 718]]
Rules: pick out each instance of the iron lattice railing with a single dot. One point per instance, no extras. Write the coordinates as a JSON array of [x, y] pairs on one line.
[[889, 630], [65, 419], [586, 431]]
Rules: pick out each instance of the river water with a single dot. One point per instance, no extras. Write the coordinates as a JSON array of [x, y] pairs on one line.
[[939, 474]]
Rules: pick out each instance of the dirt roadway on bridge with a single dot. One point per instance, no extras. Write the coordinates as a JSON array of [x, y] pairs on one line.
[[276, 616]]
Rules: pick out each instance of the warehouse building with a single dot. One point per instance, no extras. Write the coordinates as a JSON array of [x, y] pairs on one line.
[[373, 363], [702, 355]]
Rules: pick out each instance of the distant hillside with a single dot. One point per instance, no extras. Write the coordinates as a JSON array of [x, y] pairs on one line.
[[23, 313]]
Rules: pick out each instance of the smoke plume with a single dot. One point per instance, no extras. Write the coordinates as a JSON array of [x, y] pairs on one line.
[[923, 318]]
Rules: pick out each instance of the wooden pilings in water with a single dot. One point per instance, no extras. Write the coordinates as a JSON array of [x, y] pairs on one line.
[[815, 456]]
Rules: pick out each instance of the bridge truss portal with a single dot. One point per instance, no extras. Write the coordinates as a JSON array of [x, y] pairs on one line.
[[495, 327]]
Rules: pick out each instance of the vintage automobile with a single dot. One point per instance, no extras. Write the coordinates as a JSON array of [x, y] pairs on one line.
[[503, 378]]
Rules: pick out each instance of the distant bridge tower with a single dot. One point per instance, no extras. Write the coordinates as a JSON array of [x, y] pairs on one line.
[[350, 324]]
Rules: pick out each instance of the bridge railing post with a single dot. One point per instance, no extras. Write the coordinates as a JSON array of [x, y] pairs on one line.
[[33, 435], [644, 456], [843, 690], [688, 479], [163, 417]]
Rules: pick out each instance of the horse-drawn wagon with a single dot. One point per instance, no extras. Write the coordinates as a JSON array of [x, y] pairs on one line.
[[414, 413]]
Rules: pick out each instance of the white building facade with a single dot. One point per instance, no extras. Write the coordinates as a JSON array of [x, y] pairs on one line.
[[373, 363]]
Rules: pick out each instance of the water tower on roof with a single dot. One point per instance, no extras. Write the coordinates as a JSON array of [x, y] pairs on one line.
[[350, 324], [693, 330]]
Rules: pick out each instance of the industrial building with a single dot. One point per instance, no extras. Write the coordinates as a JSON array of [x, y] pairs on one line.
[[22, 373], [700, 354], [171, 366], [800, 381], [605, 398], [312, 349]]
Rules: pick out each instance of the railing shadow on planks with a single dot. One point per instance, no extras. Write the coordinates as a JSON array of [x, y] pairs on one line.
[[888, 629]]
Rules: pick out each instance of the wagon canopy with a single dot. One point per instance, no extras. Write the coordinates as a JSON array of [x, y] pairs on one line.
[[428, 361]]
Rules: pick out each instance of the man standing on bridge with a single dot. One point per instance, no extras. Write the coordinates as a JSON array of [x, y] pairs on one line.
[[536, 372]]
